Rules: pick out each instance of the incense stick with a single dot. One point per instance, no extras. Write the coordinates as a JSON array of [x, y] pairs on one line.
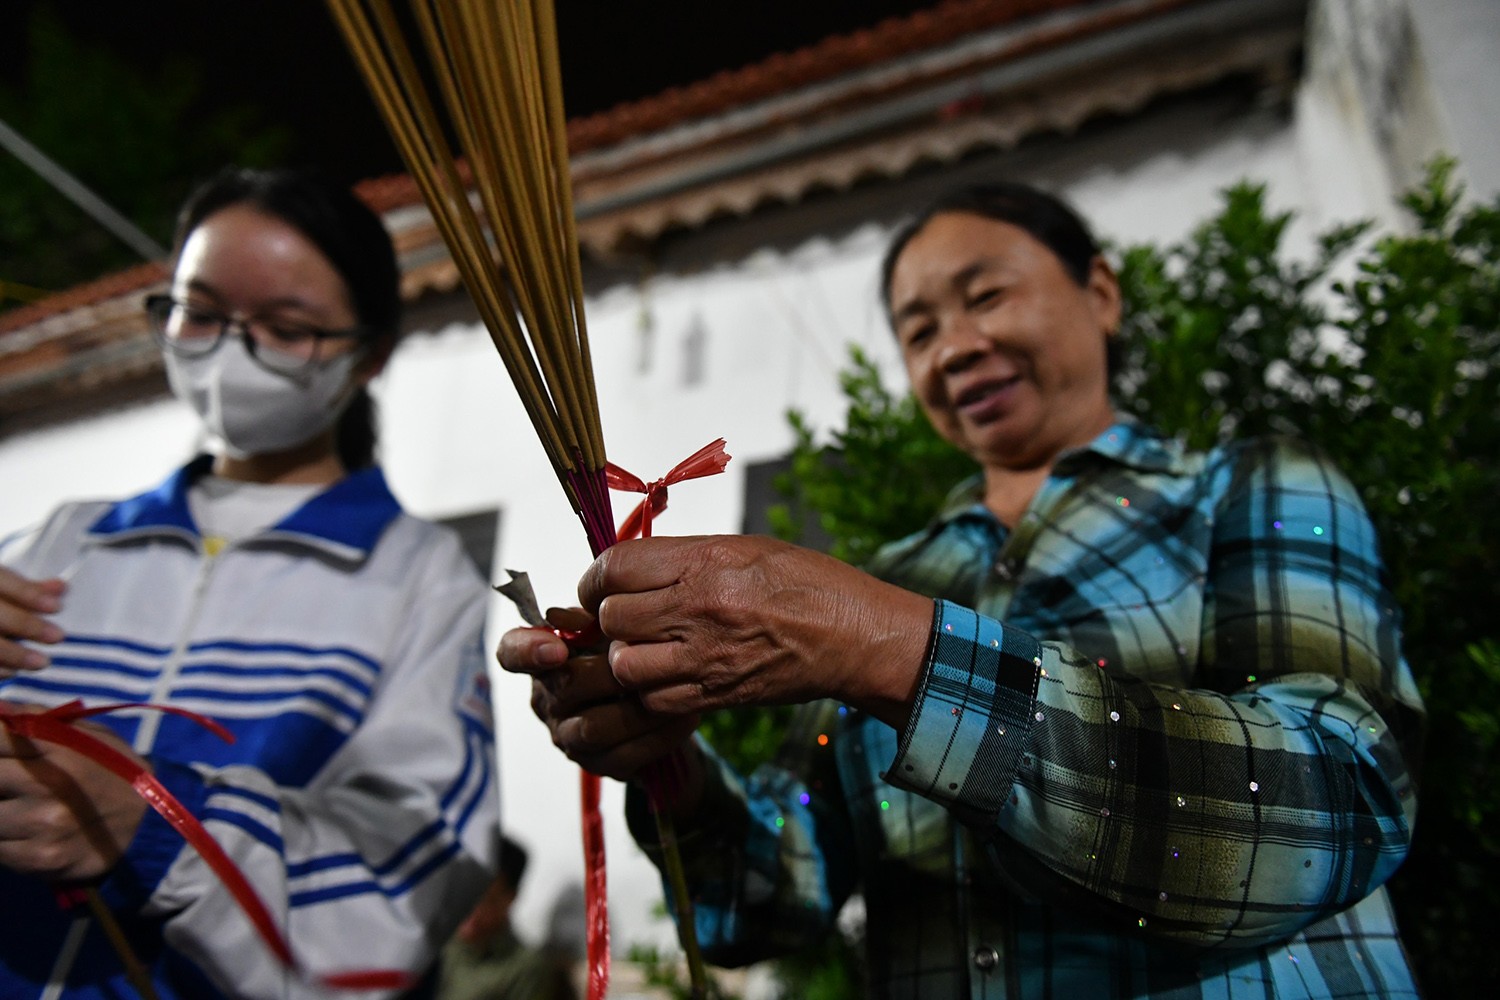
[[496, 69], [495, 65]]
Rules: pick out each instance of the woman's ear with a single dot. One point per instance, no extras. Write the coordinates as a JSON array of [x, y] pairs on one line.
[[375, 361], [1104, 291]]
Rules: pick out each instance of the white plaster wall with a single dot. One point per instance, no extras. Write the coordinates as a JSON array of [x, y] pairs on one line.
[[1459, 41], [116, 453], [775, 326], [1403, 81]]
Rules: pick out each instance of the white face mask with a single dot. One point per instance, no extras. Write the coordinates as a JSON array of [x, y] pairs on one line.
[[254, 411]]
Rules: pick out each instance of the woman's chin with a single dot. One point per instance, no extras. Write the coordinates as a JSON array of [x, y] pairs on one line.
[[1005, 443]]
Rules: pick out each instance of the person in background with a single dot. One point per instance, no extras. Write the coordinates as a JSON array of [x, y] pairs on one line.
[[1125, 720], [486, 961], [566, 936], [274, 585]]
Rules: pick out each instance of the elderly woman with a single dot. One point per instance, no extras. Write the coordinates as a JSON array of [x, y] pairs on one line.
[[1123, 720]]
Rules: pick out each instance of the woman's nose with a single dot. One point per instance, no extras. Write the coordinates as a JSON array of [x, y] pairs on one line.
[[962, 342]]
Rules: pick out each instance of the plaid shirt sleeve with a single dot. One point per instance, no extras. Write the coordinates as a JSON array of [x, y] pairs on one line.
[[1273, 789], [770, 858]]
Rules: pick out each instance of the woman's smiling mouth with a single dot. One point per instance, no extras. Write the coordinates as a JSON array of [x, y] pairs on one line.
[[988, 399]]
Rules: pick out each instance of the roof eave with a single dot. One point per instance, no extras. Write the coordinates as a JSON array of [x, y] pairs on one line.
[[994, 88], [1042, 76]]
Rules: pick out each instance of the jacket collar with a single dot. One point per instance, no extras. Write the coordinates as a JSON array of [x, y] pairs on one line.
[[346, 519]]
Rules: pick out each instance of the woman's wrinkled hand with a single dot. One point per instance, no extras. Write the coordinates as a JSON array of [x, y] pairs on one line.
[[63, 817], [23, 604], [725, 621], [592, 719]]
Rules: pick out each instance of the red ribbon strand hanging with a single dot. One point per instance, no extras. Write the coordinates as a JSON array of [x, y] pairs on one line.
[[57, 725], [706, 461]]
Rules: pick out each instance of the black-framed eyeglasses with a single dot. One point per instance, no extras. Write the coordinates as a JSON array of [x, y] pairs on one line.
[[190, 330]]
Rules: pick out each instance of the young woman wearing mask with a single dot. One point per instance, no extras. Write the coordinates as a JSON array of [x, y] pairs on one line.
[[275, 586]]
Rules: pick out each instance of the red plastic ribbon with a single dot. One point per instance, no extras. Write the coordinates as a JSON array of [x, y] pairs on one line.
[[56, 725], [706, 461], [595, 891]]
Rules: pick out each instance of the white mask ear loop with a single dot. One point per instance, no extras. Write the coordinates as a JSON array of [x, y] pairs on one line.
[[354, 358], [363, 352]]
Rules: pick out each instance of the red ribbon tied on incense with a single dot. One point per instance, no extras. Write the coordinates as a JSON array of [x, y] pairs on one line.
[[57, 725], [706, 461]]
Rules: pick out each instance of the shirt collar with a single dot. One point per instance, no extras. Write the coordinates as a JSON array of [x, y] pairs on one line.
[[1126, 442], [346, 519], [1131, 443]]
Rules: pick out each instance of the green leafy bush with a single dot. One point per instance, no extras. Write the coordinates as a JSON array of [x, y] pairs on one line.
[[1395, 372], [847, 487], [1383, 350]]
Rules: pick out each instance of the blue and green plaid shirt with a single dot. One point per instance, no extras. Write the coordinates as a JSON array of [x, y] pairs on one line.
[[1162, 747]]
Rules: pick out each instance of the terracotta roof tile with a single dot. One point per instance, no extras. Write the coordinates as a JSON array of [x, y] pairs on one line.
[[90, 293], [779, 72], [894, 37], [95, 333]]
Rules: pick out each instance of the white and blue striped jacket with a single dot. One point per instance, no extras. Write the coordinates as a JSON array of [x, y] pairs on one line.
[[343, 649]]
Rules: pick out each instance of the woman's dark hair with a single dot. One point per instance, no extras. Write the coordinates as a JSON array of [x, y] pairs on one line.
[[1049, 220], [349, 234]]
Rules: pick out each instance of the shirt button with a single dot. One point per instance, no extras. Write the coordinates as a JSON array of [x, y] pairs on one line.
[[1004, 570], [986, 958]]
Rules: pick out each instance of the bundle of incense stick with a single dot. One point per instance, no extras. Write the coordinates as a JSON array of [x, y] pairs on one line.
[[495, 66]]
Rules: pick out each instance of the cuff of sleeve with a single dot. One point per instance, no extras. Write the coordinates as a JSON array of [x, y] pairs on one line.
[[156, 843], [974, 706]]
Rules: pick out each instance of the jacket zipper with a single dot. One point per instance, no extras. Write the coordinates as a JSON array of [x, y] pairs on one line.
[[145, 739], [145, 734]]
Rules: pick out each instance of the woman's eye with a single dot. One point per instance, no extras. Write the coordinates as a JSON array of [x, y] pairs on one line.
[[985, 297], [199, 316], [917, 335], [287, 333]]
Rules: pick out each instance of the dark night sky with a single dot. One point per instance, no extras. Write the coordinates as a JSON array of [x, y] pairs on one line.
[[286, 58]]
